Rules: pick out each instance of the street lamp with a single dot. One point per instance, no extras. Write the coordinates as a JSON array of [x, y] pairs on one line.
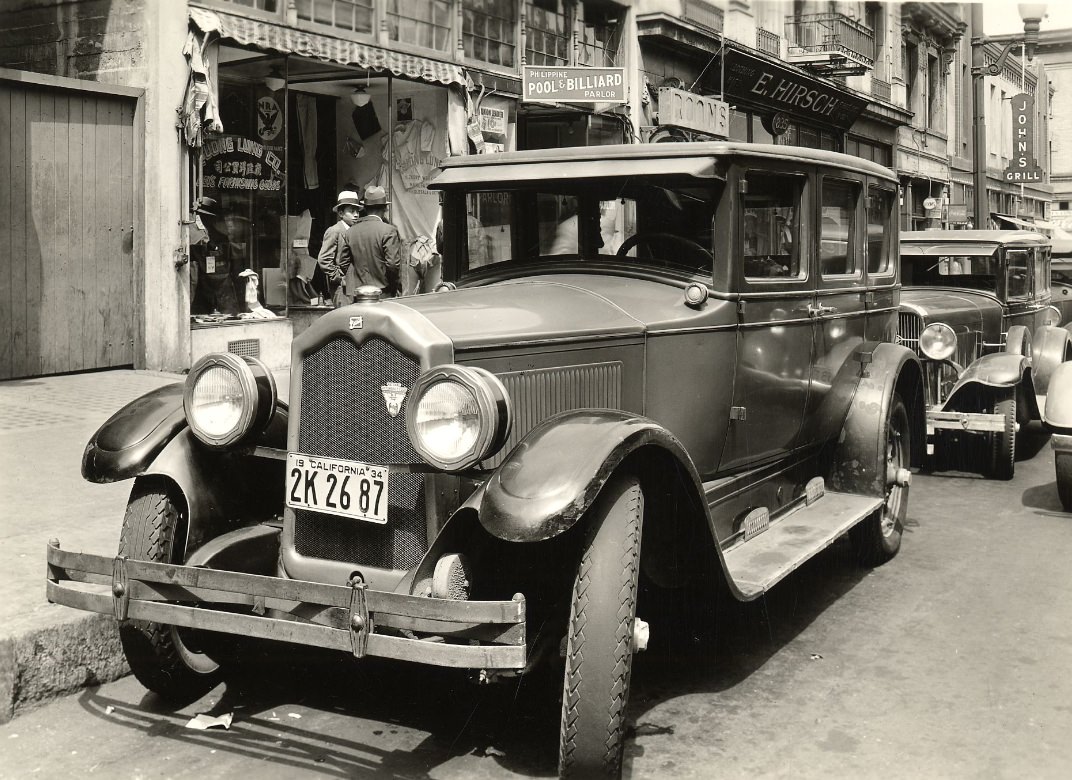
[[1031, 14]]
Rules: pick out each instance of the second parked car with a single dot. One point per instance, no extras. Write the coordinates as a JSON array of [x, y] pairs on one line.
[[976, 307]]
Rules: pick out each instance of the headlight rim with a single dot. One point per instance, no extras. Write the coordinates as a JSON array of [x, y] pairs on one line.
[[258, 401], [493, 404], [923, 343]]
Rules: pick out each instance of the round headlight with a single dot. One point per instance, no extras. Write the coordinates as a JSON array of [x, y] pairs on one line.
[[1051, 316], [227, 398], [938, 341], [457, 416]]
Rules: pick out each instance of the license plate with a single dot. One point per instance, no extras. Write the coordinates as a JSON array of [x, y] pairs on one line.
[[339, 487]]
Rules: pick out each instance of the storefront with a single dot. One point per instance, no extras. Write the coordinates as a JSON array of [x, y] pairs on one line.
[[294, 129]]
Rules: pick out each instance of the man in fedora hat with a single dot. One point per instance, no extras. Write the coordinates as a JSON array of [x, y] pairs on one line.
[[348, 208], [371, 251], [213, 270]]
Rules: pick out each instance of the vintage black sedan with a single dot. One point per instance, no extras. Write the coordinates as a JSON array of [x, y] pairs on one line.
[[646, 363], [976, 307]]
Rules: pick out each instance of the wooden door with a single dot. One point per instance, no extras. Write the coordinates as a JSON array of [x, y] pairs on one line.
[[66, 230]]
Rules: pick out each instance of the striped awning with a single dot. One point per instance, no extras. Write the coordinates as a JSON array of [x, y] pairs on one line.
[[287, 40]]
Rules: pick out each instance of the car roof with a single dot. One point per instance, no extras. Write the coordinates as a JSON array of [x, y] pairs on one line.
[[694, 158], [973, 237]]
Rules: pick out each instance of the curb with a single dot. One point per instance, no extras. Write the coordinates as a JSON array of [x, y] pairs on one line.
[[47, 663]]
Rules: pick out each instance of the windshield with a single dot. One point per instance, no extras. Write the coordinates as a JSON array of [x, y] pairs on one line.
[[660, 221], [976, 272]]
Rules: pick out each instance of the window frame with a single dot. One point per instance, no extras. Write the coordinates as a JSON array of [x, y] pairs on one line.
[[852, 234], [802, 231]]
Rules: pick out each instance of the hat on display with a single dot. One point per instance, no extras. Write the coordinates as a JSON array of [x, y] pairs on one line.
[[207, 206], [376, 195], [348, 198]]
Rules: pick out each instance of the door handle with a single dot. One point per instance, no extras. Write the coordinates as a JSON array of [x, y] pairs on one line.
[[818, 310]]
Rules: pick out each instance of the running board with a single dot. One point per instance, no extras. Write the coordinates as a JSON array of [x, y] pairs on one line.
[[757, 565]]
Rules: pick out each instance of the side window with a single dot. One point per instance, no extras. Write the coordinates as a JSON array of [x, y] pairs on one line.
[[488, 227], [558, 217], [770, 231], [617, 222], [837, 236], [1042, 270], [879, 229], [1017, 274]]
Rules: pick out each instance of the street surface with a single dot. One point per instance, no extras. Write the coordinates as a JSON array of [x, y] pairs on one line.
[[954, 660]]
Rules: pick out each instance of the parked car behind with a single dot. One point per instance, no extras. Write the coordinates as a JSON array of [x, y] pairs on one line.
[[658, 361], [976, 307]]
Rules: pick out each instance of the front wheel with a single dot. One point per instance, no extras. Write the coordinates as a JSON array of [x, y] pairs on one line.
[[1063, 464], [877, 538], [159, 655], [1002, 464], [599, 645]]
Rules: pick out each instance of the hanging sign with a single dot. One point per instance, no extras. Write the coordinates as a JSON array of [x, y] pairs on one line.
[[679, 108], [573, 84], [1024, 167]]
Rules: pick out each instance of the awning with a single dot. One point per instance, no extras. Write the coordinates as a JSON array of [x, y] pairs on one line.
[[1015, 220], [318, 46]]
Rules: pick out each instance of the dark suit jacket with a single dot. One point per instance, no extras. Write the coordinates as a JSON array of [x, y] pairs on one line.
[[371, 253]]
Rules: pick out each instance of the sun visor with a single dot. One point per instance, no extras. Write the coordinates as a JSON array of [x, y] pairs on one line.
[[700, 167], [964, 249]]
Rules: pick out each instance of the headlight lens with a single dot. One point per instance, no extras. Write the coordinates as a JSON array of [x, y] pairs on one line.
[[1051, 316], [457, 416], [227, 398], [938, 341]]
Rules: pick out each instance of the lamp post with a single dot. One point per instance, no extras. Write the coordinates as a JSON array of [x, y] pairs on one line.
[[1032, 14]]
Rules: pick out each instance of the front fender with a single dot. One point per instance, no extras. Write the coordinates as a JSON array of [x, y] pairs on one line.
[[1050, 348], [129, 440], [551, 478], [1057, 414], [1000, 369]]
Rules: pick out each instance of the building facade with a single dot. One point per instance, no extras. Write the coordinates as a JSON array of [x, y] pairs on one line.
[[1055, 52]]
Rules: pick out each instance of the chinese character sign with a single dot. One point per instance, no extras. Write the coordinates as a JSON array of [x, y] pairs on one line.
[[1024, 167]]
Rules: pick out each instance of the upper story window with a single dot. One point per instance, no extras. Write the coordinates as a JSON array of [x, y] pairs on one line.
[[270, 6], [489, 31], [424, 23], [548, 33], [353, 15], [599, 35], [935, 103]]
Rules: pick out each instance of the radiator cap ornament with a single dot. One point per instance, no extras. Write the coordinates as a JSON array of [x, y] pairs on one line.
[[368, 293], [394, 394]]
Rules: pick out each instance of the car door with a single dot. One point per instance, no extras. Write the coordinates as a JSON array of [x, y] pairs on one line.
[[839, 313], [774, 340]]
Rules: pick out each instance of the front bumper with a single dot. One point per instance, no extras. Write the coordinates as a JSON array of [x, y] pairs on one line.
[[439, 632]]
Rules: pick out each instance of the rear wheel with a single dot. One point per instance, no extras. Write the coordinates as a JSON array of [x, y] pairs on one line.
[[1002, 464], [878, 538], [1063, 462], [599, 645], [162, 657]]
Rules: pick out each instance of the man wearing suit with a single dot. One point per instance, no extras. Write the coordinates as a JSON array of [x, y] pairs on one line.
[[348, 208], [371, 251]]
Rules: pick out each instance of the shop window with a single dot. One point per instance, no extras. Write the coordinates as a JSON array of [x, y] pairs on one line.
[[837, 236], [547, 34], [489, 31], [352, 15], [424, 23], [770, 234], [236, 261], [880, 211]]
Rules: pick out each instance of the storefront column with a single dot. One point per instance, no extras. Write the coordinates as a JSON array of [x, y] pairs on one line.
[[161, 287]]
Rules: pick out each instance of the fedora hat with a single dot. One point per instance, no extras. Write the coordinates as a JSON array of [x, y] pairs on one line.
[[376, 195], [348, 198]]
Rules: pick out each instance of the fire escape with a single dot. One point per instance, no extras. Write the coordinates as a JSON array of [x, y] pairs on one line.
[[830, 44]]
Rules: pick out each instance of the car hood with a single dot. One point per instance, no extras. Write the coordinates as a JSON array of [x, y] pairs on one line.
[[949, 306], [520, 312]]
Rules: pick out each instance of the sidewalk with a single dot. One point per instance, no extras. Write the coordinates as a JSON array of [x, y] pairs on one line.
[[48, 650]]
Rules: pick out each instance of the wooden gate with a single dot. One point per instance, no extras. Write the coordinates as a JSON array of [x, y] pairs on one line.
[[67, 184]]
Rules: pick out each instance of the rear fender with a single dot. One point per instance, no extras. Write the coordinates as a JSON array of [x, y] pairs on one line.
[[989, 372], [1057, 414], [550, 479], [859, 465], [1050, 348], [132, 437]]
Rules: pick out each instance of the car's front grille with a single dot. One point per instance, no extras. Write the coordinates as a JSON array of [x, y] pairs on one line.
[[909, 326], [344, 415]]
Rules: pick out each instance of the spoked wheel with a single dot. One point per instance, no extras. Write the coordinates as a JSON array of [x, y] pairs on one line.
[[1002, 463], [165, 659], [878, 537], [599, 646]]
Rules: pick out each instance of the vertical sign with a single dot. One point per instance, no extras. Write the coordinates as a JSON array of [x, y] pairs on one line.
[[1024, 167]]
